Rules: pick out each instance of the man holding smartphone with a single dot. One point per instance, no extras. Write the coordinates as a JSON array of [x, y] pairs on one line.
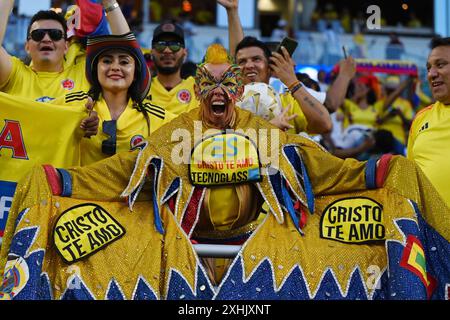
[[258, 64]]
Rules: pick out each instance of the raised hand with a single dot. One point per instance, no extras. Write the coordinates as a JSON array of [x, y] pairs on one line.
[[282, 120], [282, 67], [229, 4], [348, 67], [90, 124]]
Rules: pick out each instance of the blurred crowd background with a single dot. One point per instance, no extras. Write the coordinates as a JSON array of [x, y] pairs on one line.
[[322, 27]]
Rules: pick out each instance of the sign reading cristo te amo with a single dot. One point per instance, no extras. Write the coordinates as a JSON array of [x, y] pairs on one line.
[[224, 158], [353, 220]]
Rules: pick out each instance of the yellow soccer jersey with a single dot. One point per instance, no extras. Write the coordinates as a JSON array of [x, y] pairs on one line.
[[395, 124], [300, 123], [131, 126], [428, 143], [180, 99], [45, 86], [353, 114], [75, 54]]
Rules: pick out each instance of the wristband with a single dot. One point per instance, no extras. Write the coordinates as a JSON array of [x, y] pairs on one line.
[[112, 7], [295, 87]]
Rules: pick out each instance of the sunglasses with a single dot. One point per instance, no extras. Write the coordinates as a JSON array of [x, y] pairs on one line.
[[109, 145], [174, 46], [39, 34]]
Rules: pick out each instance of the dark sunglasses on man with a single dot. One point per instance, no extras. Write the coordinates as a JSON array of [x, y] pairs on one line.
[[109, 145], [39, 34], [174, 46]]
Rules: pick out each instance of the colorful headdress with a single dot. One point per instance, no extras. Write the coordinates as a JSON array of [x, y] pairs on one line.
[[231, 80]]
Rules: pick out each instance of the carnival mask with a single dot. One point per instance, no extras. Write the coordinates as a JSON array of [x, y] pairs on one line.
[[218, 87]]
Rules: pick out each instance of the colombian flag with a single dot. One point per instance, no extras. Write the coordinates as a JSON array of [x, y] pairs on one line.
[[397, 67], [34, 133], [413, 259], [86, 18]]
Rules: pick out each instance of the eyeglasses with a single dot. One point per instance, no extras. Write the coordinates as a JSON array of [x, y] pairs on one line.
[[109, 145], [174, 46], [39, 34]]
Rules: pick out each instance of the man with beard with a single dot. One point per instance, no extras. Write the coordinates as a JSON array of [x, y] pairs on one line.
[[258, 64], [168, 88]]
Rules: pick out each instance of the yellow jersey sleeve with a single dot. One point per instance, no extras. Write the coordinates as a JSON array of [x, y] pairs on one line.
[[169, 116], [75, 54], [416, 125], [72, 99], [15, 69], [395, 124], [427, 146], [45, 86], [158, 115]]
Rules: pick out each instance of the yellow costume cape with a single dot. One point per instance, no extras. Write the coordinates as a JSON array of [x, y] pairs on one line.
[[356, 243]]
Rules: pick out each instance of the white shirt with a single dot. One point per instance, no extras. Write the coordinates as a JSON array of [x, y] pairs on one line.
[[281, 88]]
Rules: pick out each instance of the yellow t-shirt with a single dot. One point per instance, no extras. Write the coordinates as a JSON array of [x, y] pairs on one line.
[[395, 124], [353, 114], [224, 204], [75, 54], [300, 123], [179, 99], [429, 138], [131, 126], [45, 86]]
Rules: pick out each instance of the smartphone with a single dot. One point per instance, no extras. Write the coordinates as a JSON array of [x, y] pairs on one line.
[[290, 45]]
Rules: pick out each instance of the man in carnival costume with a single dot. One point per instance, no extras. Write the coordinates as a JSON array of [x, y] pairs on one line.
[[334, 227]]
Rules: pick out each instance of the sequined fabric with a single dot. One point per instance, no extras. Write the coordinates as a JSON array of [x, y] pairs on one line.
[[276, 262], [328, 174], [142, 264]]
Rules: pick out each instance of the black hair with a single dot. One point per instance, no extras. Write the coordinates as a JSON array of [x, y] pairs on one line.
[[384, 141], [188, 69], [48, 15], [371, 96], [133, 90], [307, 81], [253, 42], [439, 41], [350, 90]]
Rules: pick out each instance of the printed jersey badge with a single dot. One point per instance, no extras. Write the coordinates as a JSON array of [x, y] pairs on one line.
[[15, 277], [68, 84], [44, 99], [184, 96], [135, 140]]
